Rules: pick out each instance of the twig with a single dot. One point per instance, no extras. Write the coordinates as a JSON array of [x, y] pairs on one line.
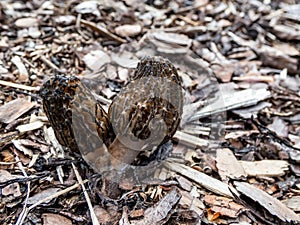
[[8, 163], [77, 26], [103, 31], [50, 64], [21, 179], [24, 210], [267, 131], [87, 198], [49, 198], [20, 86]]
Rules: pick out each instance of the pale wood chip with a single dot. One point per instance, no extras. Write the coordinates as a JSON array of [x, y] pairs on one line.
[[41, 195], [30, 126], [229, 101], [20, 147], [279, 127], [96, 59], [172, 38], [257, 78], [200, 178], [11, 189], [23, 73], [190, 202], [190, 140], [128, 30], [252, 111], [228, 166], [240, 133], [90, 6], [293, 203], [270, 168], [184, 183], [26, 22]]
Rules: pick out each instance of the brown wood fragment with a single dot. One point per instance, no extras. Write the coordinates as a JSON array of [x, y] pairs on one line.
[[7, 137], [187, 201], [224, 206], [51, 218], [102, 215], [14, 109], [124, 220], [137, 213], [224, 72]]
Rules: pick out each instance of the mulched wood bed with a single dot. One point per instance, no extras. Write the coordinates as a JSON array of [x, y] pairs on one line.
[[235, 158]]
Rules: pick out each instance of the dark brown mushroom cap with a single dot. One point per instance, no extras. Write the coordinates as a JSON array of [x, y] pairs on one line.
[[147, 111], [59, 94]]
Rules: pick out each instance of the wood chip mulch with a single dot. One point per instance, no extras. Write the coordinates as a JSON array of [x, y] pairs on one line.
[[236, 155]]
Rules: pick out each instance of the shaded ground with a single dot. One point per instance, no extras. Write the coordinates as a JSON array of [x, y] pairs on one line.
[[239, 62]]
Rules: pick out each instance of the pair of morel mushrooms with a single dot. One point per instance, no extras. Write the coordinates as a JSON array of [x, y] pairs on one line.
[[141, 118]]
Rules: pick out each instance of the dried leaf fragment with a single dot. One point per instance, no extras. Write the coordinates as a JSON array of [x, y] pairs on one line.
[[160, 211]]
